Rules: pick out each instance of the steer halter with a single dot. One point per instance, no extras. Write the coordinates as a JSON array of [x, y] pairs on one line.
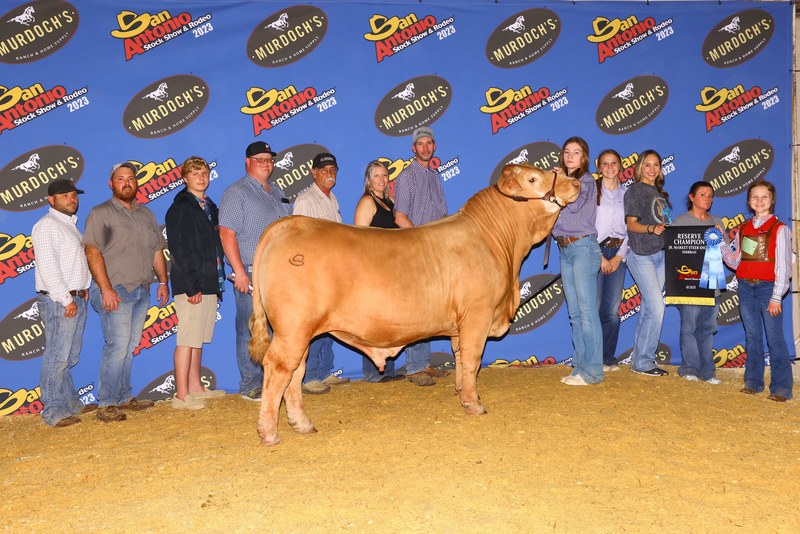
[[550, 196]]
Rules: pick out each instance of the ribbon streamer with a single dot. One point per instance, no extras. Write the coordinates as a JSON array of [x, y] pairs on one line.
[[713, 274]]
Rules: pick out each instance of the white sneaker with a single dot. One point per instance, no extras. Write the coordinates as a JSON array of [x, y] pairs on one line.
[[574, 380], [714, 381], [188, 403], [691, 378], [607, 368]]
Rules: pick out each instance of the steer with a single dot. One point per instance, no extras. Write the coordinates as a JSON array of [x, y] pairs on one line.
[[378, 290]]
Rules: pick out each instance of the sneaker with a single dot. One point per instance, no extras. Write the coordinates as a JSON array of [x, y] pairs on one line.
[[109, 414], [316, 387], [136, 405], [190, 402], [333, 380], [714, 380], [252, 395], [612, 367], [421, 379], [436, 373], [68, 421], [209, 393], [690, 378], [574, 380], [655, 371]]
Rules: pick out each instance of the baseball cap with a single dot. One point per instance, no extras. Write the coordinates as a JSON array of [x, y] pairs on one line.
[[322, 159], [259, 147], [422, 131], [61, 186]]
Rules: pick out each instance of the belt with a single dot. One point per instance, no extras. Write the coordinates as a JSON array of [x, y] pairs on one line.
[[612, 242], [563, 241], [80, 293], [753, 281]]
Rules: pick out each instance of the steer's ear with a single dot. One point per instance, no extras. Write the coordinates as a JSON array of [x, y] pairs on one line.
[[509, 180]]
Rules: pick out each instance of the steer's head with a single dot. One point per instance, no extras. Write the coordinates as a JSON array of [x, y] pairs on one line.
[[528, 183]]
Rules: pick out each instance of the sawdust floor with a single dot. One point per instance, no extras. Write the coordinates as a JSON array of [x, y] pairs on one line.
[[634, 454]]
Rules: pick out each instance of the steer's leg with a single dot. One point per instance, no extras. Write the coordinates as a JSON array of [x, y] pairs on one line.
[[278, 368], [295, 409], [454, 344], [471, 343]]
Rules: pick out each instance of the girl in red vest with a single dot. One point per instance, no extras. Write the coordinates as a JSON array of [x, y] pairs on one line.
[[760, 254]]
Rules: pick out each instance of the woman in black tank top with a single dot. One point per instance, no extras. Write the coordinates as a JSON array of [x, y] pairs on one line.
[[376, 209]]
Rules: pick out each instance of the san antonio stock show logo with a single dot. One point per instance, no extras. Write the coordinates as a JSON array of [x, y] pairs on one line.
[[141, 33], [392, 35]]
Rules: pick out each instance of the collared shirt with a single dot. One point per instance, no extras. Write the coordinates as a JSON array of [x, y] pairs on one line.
[[128, 239], [610, 217], [247, 209], [314, 203], [60, 261], [578, 218], [418, 193], [732, 255]]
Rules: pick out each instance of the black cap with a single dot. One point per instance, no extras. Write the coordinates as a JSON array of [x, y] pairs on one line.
[[322, 159], [61, 186], [259, 147]]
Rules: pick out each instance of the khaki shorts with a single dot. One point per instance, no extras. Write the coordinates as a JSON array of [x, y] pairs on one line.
[[195, 321]]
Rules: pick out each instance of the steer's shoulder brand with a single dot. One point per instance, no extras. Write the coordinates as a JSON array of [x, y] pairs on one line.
[[23, 182], [287, 36], [737, 166], [143, 32], [35, 30], [542, 154], [16, 255], [738, 38], [292, 172], [395, 34], [719, 105], [163, 387], [415, 102], [541, 296], [632, 104], [523, 38], [165, 106], [271, 107], [22, 332]]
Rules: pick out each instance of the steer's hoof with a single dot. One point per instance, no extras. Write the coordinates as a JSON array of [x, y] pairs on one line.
[[267, 439], [309, 430], [474, 409]]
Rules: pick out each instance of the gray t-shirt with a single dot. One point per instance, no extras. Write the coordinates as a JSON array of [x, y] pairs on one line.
[[639, 201]]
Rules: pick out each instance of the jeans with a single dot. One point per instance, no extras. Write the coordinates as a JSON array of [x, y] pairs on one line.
[[320, 358], [371, 373], [63, 339], [753, 302], [252, 374], [580, 264], [609, 290], [418, 357], [122, 331], [648, 273], [698, 324]]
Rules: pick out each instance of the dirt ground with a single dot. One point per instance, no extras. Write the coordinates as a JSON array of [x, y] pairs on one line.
[[633, 454]]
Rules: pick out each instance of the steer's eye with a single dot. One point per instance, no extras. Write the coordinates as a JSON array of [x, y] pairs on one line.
[[532, 180]]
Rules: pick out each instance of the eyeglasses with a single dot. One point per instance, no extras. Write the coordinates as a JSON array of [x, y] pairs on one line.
[[263, 161]]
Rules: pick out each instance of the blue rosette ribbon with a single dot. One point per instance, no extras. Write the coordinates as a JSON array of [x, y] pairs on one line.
[[713, 274]]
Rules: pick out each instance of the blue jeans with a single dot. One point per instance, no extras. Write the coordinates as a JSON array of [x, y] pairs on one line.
[[418, 357], [122, 331], [580, 264], [252, 374], [371, 373], [320, 358], [63, 338], [698, 324], [753, 302], [609, 289], [648, 273]]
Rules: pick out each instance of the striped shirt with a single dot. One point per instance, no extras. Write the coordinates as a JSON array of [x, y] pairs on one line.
[[419, 194], [60, 261], [247, 209]]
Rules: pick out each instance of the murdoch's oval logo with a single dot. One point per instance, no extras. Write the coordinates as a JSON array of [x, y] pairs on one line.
[[35, 30], [292, 172], [163, 387], [632, 104], [663, 355], [542, 154], [165, 106], [540, 297], [413, 103], [729, 304], [287, 36], [738, 38], [736, 167], [23, 182], [22, 332], [523, 38]]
